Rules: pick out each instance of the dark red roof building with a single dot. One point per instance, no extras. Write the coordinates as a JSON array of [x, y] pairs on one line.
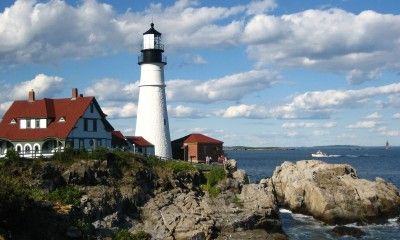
[[141, 145], [195, 147], [46, 124]]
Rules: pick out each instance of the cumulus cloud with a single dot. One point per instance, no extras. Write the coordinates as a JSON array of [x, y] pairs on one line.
[[363, 124], [231, 87], [260, 6], [373, 116], [384, 131], [331, 39], [396, 116], [314, 105], [244, 111], [181, 111], [113, 90], [289, 125], [43, 85], [320, 104], [44, 32], [127, 110]]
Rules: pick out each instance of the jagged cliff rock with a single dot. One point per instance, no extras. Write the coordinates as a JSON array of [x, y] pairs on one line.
[[333, 193]]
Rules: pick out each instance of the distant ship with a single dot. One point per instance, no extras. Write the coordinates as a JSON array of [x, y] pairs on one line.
[[319, 154], [387, 145]]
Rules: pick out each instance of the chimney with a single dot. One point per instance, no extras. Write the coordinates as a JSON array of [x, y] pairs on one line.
[[74, 93], [31, 96]]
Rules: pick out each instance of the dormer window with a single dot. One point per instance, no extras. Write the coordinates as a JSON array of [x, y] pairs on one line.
[[62, 119], [37, 123], [13, 121]]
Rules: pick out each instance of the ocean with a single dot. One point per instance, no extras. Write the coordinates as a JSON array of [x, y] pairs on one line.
[[370, 162]]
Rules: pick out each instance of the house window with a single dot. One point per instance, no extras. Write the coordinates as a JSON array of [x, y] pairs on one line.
[[98, 142], [90, 125], [27, 149], [28, 123], [19, 149], [85, 125], [36, 148], [91, 142], [94, 125], [37, 123], [81, 143], [13, 121]]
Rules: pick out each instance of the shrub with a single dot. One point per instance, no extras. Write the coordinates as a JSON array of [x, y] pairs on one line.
[[11, 156], [215, 175], [100, 153], [65, 195], [124, 234], [178, 166]]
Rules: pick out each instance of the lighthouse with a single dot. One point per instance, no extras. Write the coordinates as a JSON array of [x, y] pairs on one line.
[[152, 117]]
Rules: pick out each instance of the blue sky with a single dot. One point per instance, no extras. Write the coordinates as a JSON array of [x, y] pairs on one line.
[[261, 73]]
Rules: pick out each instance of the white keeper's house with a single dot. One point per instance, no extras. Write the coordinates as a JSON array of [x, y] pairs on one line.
[[43, 126]]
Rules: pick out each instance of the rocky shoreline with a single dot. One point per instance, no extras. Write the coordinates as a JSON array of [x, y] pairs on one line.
[[167, 201]]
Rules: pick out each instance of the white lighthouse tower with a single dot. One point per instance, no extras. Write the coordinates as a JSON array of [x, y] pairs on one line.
[[152, 117]]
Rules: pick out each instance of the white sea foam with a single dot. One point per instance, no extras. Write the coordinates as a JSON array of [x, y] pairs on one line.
[[283, 210]]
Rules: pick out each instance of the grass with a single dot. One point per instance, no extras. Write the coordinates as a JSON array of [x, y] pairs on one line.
[[214, 176], [236, 200], [124, 234], [65, 195]]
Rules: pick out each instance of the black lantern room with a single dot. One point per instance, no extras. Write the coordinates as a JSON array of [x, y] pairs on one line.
[[152, 47]]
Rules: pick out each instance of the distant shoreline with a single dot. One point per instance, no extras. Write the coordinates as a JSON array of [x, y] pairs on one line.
[[246, 148]]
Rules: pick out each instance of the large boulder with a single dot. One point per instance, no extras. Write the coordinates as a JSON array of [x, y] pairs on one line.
[[185, 214], [333, 193]]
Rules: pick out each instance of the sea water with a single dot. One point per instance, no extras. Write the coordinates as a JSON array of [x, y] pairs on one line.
[[370, 162]]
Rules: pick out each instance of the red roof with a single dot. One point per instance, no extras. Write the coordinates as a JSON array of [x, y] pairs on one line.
[[139, 141], [53, 109], [118, 138], [199, 138]]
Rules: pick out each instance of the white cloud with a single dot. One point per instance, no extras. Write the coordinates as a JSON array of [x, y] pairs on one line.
[[260, 6], [384, 131], [127, 110], [291, 134], [374, 116], [331, 39], [289, 125], [231, 87], [197, 59], [363, 124], [244, 111], [44, 32], [113, 90], [314, 105], [320, 104], [181, 111], [43, 85], [396, 116]]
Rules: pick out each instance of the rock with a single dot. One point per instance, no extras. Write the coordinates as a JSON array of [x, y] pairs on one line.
[[333, 193], [51, 178], [241, 176], [340, 231], [88, 173], [257, 234], [230, 166], [74, 232]]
